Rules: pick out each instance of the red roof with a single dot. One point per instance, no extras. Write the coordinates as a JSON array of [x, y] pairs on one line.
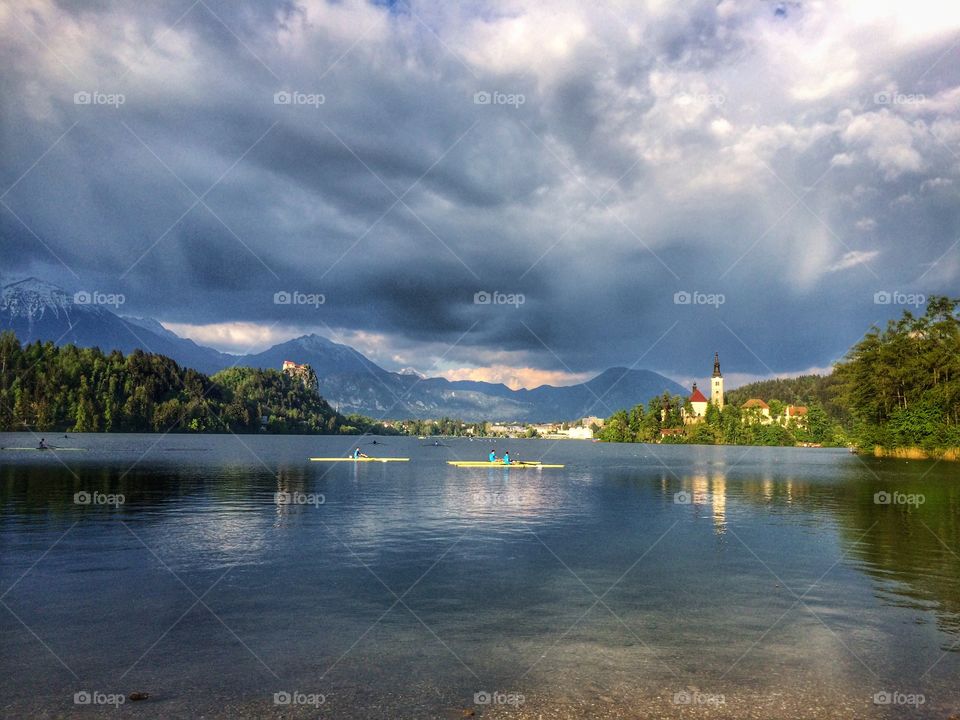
[[755, 403], [697, 396], [797, 410]]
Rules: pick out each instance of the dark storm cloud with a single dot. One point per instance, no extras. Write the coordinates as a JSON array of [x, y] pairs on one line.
[[625, 157]]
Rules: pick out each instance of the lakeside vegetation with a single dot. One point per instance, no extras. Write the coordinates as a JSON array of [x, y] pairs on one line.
[[730, 426], [898, 388], [902, 383], [46, 388]]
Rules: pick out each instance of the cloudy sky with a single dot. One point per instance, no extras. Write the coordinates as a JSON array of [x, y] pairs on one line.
[[631, 183]]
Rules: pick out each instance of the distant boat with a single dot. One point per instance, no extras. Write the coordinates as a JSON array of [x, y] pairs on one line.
[[359, 459]]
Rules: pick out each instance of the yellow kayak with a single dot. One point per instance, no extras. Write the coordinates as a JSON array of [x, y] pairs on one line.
[[513, 463], [362, 459]]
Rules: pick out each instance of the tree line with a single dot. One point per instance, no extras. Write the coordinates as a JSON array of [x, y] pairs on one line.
[[902, 383], [45, 387]]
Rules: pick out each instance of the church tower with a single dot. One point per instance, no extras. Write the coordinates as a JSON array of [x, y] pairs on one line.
[[716, 383]]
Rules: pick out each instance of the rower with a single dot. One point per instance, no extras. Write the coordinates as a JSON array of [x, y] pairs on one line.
[[43, 445], [492, 457], [358, 454], [506, 457]]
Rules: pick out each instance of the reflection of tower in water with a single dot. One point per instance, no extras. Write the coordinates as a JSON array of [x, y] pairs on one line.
[[700, 489], [718, 490], [711, 490], [767, 488]]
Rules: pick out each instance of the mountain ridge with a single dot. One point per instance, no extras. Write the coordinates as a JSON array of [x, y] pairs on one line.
[[38, 310]]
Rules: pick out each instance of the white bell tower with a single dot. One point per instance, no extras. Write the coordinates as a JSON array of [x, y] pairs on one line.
[[716, 383]]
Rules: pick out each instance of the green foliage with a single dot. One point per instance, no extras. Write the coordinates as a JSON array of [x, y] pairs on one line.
[[902, 384], [730, 426], [44, 387], [617, 428], [803, 390]]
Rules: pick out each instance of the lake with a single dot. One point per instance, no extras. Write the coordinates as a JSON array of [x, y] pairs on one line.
[[229, 577]]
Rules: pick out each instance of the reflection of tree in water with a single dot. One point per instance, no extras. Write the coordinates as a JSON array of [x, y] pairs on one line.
[[913, 551]]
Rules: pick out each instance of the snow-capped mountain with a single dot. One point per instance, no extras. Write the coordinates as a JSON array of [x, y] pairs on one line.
[[38, 310], [33, 299]]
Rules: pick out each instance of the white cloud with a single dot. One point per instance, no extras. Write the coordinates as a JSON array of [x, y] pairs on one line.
[[852, 259], [888, 140], [234, 337], [516, 377]]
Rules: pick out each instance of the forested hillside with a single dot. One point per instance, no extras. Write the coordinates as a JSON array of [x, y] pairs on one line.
[[44, 387], [803, 390]]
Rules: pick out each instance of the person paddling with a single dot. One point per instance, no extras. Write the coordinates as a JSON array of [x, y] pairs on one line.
[[43, 444], [506, 457], [357, 454], [492, 457]]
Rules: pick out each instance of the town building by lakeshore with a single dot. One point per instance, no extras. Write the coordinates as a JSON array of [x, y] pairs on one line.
[[757, 410]]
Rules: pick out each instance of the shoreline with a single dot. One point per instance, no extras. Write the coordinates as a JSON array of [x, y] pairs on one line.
[[910, 453], [749, 705]]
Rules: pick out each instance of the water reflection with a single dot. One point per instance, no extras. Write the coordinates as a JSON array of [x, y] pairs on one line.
[[705, 490], [694, 592], [718, 491]]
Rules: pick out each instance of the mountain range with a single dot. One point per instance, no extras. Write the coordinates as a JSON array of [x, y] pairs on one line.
[[38, 310]]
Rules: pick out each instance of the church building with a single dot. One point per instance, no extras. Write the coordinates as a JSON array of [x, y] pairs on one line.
[[699, 402]]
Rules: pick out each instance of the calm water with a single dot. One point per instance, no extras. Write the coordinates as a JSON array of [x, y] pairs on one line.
[[782, 585]]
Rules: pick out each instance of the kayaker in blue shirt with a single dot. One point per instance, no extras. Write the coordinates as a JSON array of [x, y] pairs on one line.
[[506, 457], [358, 454], [493, 456]]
